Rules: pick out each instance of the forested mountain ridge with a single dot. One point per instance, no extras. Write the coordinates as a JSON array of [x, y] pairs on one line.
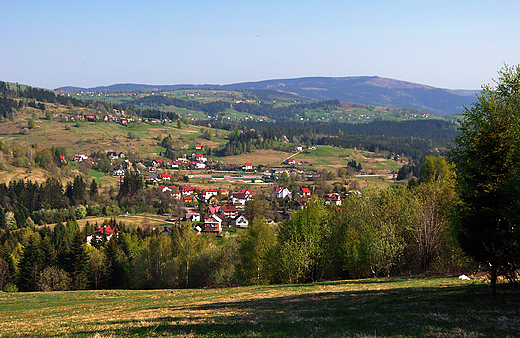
[[371, 90]]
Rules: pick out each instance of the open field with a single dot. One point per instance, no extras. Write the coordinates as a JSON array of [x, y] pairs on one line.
[[390, 307]]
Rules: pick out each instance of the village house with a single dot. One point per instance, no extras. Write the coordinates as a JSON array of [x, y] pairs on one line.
[[241, 221], [332, 199], [201, 158], [212, 223], [210, 192], [215, 209], [152, 178], [248, 193], [193, 216], [282, 192], [163, 188], [224, 192], [118, 172], [239, 198], [186, 190], [166, 177], [176, 194], [230, 211], [248, 166], [106, 231]]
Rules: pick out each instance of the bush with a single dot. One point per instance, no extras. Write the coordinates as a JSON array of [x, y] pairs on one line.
[[53, 279], [10, 287]]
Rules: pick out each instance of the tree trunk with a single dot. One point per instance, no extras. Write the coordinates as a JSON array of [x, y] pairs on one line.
[[493, 282]]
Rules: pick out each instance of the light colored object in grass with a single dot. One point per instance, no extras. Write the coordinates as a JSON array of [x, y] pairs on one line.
[[463, 277]]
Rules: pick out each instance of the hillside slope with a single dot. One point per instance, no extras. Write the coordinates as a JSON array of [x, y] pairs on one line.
[[371, 90]]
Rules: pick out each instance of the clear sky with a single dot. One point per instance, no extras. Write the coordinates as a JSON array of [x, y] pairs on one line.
[[447, 44]]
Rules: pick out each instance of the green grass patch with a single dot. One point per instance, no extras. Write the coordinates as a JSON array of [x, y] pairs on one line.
[[390, 307]]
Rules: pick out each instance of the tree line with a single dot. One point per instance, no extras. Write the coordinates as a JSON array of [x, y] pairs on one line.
[[378, 233], [414, 139]]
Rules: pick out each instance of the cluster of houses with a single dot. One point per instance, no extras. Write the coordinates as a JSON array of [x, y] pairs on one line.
[[217, 216], [302, 195], [195, 161], [117, 116]]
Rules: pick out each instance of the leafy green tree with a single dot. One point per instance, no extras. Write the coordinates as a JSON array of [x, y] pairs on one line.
[[254, 249], [97, 267], [151, 263], [486, 154], [53, 278], [32, 124], [303, 243], [435, 168], [186, 244]]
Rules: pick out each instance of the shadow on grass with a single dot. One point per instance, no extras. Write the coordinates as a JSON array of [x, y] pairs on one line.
[[450, 311]]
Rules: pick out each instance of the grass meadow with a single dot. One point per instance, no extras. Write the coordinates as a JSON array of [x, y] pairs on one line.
[[389, 307]]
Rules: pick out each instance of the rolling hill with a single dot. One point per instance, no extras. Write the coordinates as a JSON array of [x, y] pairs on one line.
[[371, 90]]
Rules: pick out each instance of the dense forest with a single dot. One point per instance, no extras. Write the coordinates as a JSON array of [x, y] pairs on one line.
[[415, 139]]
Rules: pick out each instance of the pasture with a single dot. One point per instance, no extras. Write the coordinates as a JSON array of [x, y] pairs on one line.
[[387, 307]]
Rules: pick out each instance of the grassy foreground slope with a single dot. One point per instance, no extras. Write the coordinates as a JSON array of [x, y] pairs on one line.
[[403, 307]]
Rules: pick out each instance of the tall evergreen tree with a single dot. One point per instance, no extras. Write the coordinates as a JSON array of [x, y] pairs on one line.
[[30, 265]]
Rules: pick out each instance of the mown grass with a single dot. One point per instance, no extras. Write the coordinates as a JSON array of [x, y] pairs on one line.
[[392, 307]]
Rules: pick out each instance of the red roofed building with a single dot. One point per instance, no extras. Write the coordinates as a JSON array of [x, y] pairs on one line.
[[106, 231], [248, 166], [230, 211], [166, 177], [186, 189], [306, 192]]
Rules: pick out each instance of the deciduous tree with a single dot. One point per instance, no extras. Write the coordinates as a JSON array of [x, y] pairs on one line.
[[487, 159]]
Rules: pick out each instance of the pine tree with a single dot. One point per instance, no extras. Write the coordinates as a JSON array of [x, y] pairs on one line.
[[30, 265]]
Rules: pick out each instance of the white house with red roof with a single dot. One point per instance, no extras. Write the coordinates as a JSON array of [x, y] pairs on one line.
[[334, 199], [163, 188], [248, 166], [306, 192], [201, 158], [106, 231], [186, 190], [281, 192], [166, 177]]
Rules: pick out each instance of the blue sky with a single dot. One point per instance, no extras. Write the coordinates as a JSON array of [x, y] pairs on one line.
[[447, 44]]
